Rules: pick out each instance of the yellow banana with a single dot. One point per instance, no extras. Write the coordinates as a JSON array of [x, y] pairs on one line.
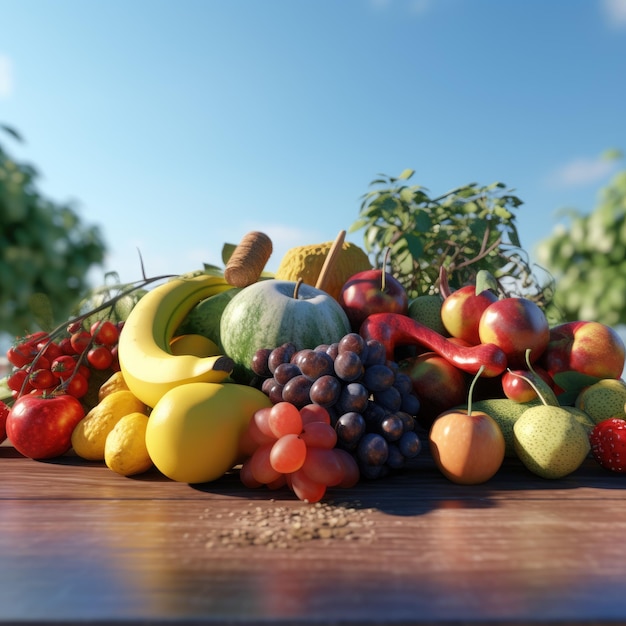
[[149, 367]]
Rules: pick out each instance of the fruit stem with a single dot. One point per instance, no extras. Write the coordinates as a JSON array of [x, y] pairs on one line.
[[444, 286], [552, 402], [329, 262], [548, 396], [127, 289], [383, 274], [471, 389], [296, 289]]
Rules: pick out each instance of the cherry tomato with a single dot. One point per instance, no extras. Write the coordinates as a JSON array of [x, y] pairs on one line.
[[115, 366], [4, 413], [42, 379], [80, 340], [63, 366], [77, 385], [74, 327], [41, 362], [21, 354], [51, 351], [100, 357], [105, 332], [66, 346], [16, 379]]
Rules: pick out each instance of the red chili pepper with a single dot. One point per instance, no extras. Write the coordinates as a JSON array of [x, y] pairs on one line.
[[395, 329]]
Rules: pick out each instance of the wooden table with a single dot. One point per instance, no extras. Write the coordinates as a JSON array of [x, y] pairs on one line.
[[81, 545]]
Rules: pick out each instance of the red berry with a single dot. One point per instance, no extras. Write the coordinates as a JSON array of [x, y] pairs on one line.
[[105, 332], [66, 346], [77, 386], [74, 327], [25, 350], [49, 350], [16, 379], [100, 357], [608, 444], [80, 340], [63, 366], [42, 379]]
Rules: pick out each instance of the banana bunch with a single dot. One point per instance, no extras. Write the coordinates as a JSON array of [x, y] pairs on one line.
[[148, 364]]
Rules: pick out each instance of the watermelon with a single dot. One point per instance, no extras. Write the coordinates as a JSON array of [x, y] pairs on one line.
[[266, 315], [204, 318]]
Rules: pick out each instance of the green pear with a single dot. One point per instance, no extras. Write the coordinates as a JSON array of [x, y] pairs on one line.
[[505, 413], [603, 399], [550, 441], [582, 417]]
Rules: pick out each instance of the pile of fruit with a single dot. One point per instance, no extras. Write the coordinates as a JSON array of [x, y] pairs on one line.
[[296, 387]]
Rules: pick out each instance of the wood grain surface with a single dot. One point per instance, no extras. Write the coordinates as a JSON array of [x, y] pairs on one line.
[[81, 545]]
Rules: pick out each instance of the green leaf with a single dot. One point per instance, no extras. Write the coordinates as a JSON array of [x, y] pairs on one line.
[[405, 265], [414, 244], [361, 223], [573, 381], [423, 222], [227, 251], [212, 270], [503, 213], [486, 280], [42, 311], [406, 174], [406, 195]]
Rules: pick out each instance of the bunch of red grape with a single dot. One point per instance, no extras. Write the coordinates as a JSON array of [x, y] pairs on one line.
[[371, 403], [63, 363], [296, 447]]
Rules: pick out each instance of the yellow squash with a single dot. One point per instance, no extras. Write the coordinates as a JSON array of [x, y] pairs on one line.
[[194, 431]]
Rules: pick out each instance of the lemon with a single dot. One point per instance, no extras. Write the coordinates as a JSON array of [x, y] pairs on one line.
[[115, 382], [125, 450], [89, 436]]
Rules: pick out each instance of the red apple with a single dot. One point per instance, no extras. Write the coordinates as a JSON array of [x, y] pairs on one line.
[[589, 348], [4, 413], [372, 291], [461, 312], [467, 446], [519, 390], [437, 383], [515, 325], [40, 427]]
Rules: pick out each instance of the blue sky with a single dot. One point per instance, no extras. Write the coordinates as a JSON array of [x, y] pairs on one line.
[[180, 125]]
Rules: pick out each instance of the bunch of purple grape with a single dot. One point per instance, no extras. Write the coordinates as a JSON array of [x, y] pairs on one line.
[[371, 403]]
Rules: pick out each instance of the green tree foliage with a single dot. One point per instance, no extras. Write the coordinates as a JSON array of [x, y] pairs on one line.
[[46, 251], [587, 257], [466, 230]]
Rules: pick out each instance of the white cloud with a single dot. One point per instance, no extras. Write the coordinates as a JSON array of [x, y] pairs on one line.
[[6, 77], [615, 12], [582, 171]]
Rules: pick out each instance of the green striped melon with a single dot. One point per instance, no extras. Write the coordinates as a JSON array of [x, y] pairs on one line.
[[265, 315]]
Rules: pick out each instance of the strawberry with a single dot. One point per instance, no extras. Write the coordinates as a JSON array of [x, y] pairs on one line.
[[608, 444]]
